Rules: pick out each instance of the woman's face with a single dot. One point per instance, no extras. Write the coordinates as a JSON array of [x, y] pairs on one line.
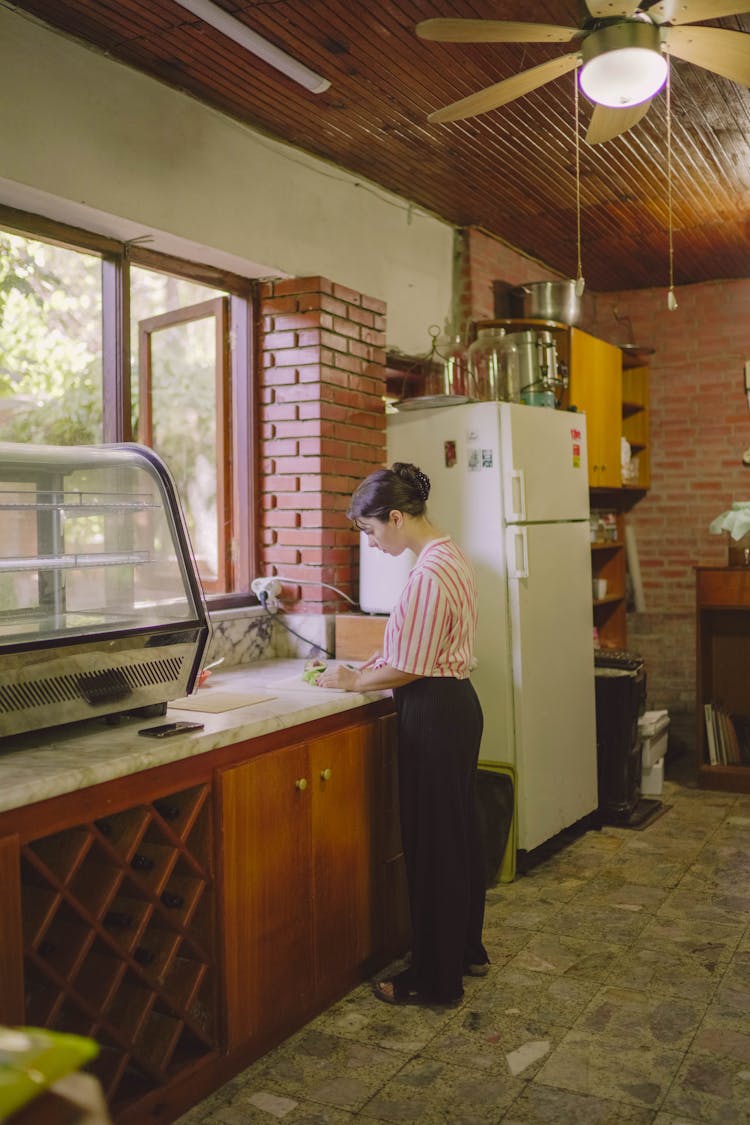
[[386, 535]]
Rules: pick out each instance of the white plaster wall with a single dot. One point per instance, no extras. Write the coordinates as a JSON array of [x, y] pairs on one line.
[[98, 144]]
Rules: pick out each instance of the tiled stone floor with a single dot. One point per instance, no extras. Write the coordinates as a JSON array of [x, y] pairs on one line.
[[619, 994]]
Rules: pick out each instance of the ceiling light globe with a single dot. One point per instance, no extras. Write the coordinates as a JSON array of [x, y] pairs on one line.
[[624, 78], [623, 64]]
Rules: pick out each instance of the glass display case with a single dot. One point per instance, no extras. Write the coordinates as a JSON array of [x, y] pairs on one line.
[[101, 607]]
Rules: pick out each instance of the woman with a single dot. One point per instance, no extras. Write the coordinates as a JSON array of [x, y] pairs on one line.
[[426, 659]]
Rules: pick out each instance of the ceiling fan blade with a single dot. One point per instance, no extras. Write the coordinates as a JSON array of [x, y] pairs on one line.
[[506, 91], [601, 9], [724, 52], [494, 31], [607, 123], [693, 11]]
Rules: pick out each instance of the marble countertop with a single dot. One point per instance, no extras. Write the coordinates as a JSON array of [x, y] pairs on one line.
[[34, 767]]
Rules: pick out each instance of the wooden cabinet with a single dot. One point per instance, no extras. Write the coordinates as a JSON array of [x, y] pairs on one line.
[[608, 565], [189, 916], [596, 389], [344, 860], [265, 878], [300, 864], [722, 665]]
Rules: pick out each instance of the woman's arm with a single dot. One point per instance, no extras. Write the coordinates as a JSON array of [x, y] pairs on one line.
[[365, 679]]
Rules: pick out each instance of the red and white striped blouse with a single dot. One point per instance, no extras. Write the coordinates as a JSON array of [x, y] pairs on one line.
[[432, 628]]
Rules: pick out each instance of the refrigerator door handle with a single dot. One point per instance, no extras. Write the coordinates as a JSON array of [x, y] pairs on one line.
[[517, 497], [517, 550]]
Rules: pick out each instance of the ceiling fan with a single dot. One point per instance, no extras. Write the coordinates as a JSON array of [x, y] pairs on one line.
[[621, 51]]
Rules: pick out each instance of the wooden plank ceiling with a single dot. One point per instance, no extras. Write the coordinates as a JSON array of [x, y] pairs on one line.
[[510, 171]]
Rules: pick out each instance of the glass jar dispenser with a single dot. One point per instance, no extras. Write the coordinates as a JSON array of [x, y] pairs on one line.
[[493, 365]]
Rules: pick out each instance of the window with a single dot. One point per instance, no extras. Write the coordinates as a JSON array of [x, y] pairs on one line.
[[100, 341], [50, 343]]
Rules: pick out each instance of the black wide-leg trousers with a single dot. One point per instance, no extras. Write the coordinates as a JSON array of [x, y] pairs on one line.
[[440, 728]]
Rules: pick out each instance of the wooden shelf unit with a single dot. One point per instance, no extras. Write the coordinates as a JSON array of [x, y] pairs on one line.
[[635, 423], [722, 663], [118, 940], [608, 562]]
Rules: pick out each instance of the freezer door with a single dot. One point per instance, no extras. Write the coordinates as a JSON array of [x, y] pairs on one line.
[[544, 466], [458, 447], [549, 596]]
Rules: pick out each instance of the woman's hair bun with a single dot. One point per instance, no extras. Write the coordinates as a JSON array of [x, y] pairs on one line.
[[410, 474]]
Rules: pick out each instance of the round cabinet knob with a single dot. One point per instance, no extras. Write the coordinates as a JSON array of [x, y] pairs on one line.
[[301, 783], [325, 775]]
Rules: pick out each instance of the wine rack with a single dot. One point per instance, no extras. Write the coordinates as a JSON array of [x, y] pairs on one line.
[[119, 940]]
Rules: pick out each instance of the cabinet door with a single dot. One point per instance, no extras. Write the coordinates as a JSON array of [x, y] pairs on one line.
[[266, 878], [342, 771], [596, 389]]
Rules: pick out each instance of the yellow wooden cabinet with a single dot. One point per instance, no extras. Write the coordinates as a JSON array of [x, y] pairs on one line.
[[596, 389]]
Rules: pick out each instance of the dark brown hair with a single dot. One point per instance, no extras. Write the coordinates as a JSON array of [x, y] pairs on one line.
[[402, 488]]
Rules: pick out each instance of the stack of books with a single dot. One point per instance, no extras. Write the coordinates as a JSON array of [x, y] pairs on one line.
[[728, 737]]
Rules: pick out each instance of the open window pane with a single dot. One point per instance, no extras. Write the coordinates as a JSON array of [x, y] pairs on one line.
[[183, 406]]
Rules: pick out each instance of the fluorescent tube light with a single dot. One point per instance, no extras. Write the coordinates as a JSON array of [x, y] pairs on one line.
[[248, 39]]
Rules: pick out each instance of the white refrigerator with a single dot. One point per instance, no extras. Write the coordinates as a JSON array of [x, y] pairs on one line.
[[510, 484]]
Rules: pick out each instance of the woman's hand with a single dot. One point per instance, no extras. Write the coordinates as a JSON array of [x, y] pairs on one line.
[[372, 660], [344, 676]]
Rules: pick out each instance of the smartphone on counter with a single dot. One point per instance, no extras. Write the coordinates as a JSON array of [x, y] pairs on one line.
[[166, 730]]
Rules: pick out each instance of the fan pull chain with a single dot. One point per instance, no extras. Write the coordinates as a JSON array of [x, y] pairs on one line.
[[671, 298], [580, 282]]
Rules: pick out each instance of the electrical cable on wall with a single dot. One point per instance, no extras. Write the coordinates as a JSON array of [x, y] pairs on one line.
[[263, 599], [315, 582]]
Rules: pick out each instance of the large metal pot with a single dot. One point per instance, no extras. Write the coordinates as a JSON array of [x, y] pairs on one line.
[[547, 300]]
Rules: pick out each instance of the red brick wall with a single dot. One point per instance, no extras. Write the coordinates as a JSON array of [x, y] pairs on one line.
[[483, 261], [322, 429], [700, 427]]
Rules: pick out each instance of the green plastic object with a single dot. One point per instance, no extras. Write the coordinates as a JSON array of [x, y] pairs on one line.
[[32, 1058], [314, 672], [507, 868]]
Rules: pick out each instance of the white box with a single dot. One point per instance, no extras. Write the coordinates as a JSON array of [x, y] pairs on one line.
[[653, 730], [652, 779]]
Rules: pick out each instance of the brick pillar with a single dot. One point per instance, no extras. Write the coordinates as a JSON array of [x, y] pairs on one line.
[[323, 429]]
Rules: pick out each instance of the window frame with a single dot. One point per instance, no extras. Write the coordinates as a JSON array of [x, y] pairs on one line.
[[215, 309], [240, 454]]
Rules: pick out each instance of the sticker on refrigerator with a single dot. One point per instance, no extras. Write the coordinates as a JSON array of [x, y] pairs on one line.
[[487, 460], [475, 460], [449, 453], [575, 438]]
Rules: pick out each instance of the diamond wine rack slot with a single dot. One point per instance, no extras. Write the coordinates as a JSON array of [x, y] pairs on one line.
[[118, 940]]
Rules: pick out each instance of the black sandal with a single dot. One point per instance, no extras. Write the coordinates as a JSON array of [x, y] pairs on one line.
[[403, 991]]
